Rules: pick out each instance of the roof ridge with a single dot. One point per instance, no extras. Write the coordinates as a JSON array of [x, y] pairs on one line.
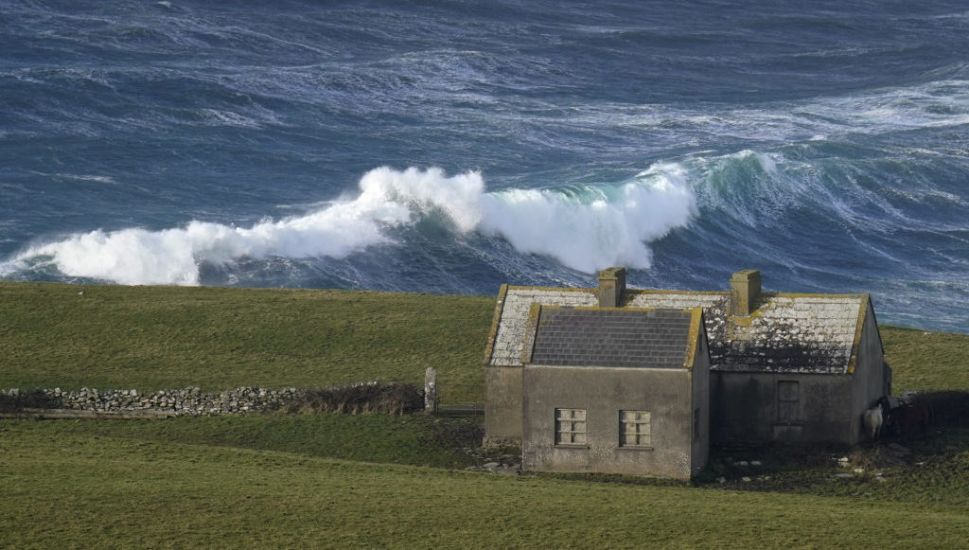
[[788, 332], [723, 292]]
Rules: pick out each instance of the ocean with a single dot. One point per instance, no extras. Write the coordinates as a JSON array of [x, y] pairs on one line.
[[452, 146]]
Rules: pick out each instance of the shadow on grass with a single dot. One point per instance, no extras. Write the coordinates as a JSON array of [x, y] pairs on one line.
[[31, 399]]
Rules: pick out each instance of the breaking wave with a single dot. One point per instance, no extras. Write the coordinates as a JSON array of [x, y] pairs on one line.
[[582, 227]]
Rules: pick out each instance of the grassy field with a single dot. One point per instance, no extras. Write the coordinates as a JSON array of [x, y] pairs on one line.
[[217, 338], [167, 337], [383, 481], [417, 440], [927, 360], [64, 484]]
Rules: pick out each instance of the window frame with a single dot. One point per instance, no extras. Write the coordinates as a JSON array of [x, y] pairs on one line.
[[578, 426], [638, 435]]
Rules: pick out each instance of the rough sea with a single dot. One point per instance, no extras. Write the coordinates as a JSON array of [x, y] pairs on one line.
[[452, 146]]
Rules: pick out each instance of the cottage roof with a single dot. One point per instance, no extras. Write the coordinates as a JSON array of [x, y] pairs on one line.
[[612, 337], [795, 333]]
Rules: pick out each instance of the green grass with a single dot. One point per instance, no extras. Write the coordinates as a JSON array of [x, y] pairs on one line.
[[924, 360], [411, 439], [64, 486], [168, 337], [336, 480]]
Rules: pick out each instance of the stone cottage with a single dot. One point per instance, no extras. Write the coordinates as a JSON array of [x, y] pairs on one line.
[[791, 367]]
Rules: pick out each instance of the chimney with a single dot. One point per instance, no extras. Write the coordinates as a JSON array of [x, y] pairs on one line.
[[744, 292], [612, 285]]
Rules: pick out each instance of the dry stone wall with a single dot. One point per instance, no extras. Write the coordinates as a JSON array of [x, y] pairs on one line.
[[192, 401]]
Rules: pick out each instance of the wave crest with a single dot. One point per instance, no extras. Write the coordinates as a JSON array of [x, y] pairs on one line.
[[584, 228]]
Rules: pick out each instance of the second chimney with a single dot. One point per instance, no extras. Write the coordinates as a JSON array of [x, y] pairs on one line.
[[744, 292], [612, 286]]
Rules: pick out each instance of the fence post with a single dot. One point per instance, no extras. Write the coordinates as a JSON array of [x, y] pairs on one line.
[[430, 390]]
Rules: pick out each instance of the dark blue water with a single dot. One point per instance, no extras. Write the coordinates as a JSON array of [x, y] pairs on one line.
[[452, 146]]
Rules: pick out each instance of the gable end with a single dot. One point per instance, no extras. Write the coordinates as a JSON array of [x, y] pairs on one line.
[[495, 322], [859, 329]]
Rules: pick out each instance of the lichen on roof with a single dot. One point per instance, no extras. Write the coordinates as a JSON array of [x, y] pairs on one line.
[[792, 333]]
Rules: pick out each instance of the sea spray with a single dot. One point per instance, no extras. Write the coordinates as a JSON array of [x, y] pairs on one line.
[[594, 227], [584, 228]]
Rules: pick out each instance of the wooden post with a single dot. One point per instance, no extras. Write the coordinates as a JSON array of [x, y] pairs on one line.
[[430, 390]]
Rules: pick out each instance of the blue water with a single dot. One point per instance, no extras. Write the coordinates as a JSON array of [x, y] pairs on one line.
[[453, 146]]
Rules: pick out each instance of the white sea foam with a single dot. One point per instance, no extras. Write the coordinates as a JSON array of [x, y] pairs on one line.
[[585, 228], [86, 177], [935, 104], [596, 226]]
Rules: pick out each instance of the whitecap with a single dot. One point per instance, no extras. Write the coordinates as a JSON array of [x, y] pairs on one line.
[[584, 228]]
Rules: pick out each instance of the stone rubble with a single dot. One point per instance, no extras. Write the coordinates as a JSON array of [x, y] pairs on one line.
[[508, 464]]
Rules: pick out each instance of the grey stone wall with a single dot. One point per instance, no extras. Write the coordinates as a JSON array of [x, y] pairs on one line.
[[869, 378], [702, 404], [191, 401], [603, 393], [745, 408], [503, 405]]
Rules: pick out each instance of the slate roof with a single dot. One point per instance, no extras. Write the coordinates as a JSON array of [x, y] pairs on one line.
[[636, 338], [791, 333]]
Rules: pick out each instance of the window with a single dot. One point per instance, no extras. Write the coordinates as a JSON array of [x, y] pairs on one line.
[[634, 429], [570, 426], [788, 399]]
